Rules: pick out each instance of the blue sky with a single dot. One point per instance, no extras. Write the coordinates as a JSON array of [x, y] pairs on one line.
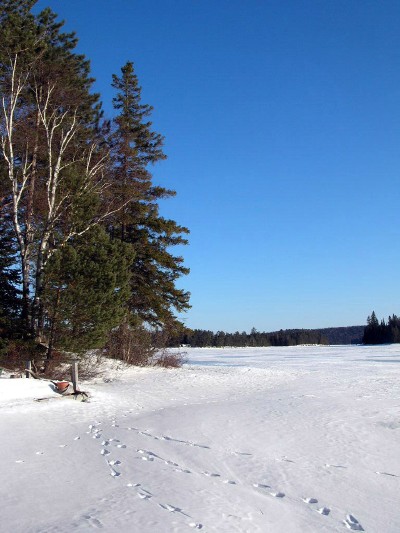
[[282, 132]]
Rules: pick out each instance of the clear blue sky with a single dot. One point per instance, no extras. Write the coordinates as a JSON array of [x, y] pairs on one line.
[[282, 129]]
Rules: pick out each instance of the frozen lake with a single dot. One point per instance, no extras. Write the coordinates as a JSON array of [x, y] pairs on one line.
[[286, 440]]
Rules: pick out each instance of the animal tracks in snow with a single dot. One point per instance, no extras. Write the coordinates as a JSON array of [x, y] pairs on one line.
[[285, 460], [310, 500], [171, 508], [261, 486], [93, 522], [352, 523], [242, 453], [114, 473], [110, 444], [264, 487], [145, 455], [186, 442], [211, 474], [144, 495], [386, 474]]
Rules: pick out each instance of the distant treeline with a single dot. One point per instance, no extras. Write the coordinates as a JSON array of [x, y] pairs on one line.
[[290, 337], [381, 332]]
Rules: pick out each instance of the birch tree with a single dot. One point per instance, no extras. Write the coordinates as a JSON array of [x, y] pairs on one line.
[[57, 182]]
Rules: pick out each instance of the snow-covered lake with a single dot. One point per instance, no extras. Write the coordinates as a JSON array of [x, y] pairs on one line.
[[297, 439]]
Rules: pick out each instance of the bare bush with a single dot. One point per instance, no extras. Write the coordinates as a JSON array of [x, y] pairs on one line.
[[133, 345], [167, 359]]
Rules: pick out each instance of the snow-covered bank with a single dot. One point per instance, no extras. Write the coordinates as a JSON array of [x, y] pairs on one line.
[[239, 440]]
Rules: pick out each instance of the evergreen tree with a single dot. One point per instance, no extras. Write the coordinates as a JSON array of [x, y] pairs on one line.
[[154, 295], [53, 158], [373, 331], [86, 291], [10, 301], [80, 221]]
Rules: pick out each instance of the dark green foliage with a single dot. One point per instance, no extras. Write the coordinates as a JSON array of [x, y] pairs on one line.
[[154, 295], [202, 338], [10, 295], [81, 229], [377, 332], [87, 288], [288, 337]]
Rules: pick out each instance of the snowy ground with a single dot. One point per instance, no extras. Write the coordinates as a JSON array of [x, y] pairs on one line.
[[299, 439]]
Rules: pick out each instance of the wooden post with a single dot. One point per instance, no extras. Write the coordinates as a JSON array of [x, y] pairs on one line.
[[28, 368], [74, 368]]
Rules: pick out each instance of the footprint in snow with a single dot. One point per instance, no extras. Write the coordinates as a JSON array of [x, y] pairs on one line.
[[310, 500], [211, 474], [195, 525], [261, 486], [229, 482], [242, 453], [278, 494], [133, 484], [77, 438], [114, 473], [335, 466], [145, 434], [386, 474], [352, 523], [62, 445], [144, 495], [105, 452], [170, 508], [324, 511], [113, 463], [94, 522], [39, 453]]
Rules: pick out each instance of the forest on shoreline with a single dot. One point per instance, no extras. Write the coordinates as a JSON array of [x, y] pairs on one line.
[[290, 337], [86, 258], [375, 332]]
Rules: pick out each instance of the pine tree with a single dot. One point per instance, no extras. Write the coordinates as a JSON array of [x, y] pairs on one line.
[[65, 176], [86, 291], [10, 301], [154, 295], [53, 153]]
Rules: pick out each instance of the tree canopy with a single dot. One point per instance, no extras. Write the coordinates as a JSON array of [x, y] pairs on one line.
[[83, 247]]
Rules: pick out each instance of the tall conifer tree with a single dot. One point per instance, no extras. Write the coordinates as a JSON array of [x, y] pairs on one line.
[[135, 146], [54, 162]]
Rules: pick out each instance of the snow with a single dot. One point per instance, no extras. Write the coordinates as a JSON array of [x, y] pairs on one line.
[[17, 391], [294, 439]]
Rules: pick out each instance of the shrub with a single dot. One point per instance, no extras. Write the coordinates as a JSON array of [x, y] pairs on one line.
[[169, 360], [130, 344]]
